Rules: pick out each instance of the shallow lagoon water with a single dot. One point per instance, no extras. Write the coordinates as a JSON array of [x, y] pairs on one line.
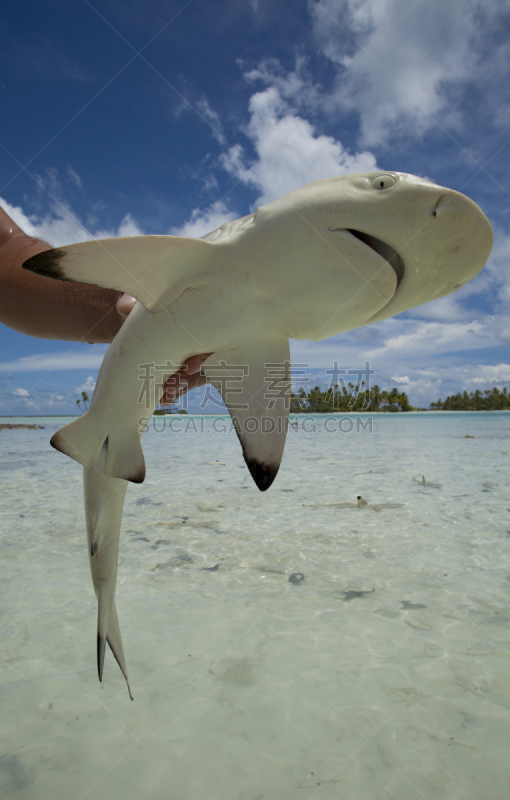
[[385, 673]]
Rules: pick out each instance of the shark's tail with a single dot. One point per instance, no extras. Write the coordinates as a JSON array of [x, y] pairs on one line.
[[108, 631], [104, 500], [84, 440]]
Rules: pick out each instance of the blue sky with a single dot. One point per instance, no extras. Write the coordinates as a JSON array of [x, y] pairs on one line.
[[172, 117]]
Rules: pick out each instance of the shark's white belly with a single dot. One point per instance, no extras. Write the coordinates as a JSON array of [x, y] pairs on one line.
[[151, 347]]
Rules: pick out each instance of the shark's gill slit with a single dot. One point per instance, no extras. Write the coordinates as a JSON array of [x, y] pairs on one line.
[[383, 249]]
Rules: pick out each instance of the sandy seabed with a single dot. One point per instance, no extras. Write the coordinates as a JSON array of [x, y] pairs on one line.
[[384, 673]]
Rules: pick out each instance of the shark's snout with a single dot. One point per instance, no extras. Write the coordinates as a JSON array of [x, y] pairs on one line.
[[449, 245]]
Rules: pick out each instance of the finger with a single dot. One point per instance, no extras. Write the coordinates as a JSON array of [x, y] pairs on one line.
[[193, 382], [193, 364], [179, 384], [186, 378], [125, 305], [8, 227], [175, 386]]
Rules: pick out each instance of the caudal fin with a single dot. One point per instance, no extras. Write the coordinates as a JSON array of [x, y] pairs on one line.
[[108, 630], [84, 440]]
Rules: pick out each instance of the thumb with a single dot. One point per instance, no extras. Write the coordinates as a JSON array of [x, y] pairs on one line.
[[125, 304]]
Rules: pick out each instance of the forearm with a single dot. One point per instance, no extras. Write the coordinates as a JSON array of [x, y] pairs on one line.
[[47, 308], [52, 309]]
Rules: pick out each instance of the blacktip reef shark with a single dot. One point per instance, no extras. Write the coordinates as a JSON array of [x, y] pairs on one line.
[[427, 484], [332, 256], [360, 503]]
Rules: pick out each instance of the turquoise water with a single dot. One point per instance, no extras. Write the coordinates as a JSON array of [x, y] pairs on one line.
[[384, 673]]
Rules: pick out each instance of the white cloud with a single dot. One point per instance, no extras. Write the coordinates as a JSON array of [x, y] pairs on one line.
[[401, 345], [445, 309], [204, 221], [400, 61], [20, 392], [497, 271], [60, 225], [290, 151], [296, 86], [45, 362], [432, 338], [127, 227], [444, 380], [88, 386], [211, 117], [421, 392], [203, 108], [484, 376], [54, 400], [423, 384], [74, 177]]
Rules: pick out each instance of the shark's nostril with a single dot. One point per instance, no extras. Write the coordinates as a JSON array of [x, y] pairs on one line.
[[438, 204]]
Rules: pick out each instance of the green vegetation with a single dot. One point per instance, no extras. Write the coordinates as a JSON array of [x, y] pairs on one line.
[[355, 399], [490, 400], [85, 400], [169, 409], [348, 400]]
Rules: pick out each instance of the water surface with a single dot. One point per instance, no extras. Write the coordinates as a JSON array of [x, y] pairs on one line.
[[384, 673]]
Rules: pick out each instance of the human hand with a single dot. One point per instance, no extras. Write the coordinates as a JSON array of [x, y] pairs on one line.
[[187, 378], [53, 309], [47, 308]]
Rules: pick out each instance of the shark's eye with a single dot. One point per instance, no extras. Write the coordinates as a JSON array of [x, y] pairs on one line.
[[384, 181]]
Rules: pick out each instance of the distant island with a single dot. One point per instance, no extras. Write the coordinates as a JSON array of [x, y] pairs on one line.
[[8, 426], [355, 399], [348, 400], [489, 400]]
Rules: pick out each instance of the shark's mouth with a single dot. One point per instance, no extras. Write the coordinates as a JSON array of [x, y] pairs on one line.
[[383, 249]]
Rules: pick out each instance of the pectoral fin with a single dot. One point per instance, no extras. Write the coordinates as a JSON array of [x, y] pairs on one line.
[[254, 382], [154, 269]]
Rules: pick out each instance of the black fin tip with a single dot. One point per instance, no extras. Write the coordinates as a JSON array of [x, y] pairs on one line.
[[46, 264], [101, 645], [121, 669], [138, 477], [262, 474]]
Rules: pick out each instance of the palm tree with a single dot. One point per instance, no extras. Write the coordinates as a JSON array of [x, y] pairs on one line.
[[84, 399]]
